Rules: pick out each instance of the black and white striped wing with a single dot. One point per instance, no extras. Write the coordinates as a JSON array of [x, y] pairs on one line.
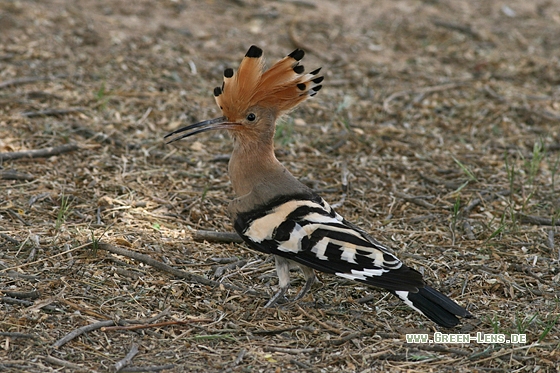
[[307, 230]]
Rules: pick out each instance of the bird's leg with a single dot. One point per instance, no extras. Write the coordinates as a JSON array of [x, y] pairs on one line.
[[309, 281], [283, 272]]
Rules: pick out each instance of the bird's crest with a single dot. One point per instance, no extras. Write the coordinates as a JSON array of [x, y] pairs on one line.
[[282, 87]]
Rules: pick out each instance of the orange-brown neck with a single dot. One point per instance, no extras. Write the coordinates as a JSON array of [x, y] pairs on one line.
[[252, 162]]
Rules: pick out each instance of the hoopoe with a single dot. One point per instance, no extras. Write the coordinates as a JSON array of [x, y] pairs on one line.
[[276, 214]]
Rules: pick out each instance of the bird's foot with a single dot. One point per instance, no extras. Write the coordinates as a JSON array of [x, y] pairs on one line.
[[276, 298]]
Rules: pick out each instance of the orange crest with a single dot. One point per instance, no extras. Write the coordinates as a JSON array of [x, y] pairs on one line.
[[282, 87]]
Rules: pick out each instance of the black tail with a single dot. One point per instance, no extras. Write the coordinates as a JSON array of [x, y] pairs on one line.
[[434, 305]]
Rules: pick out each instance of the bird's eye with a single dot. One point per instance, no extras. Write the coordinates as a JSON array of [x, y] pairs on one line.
[[251, 117]]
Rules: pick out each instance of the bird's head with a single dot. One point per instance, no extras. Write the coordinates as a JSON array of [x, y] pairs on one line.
[[251, 99]]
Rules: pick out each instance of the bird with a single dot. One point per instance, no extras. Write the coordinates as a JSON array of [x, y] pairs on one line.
[[274, 213]]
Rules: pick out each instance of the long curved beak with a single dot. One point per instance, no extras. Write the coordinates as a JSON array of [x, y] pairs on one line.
[[193, 129]]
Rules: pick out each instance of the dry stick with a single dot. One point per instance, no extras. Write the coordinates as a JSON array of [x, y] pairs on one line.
[[324, 325], [14, 274], [488, 198], [99, 325], [438, 348], [33, 294], [84, 329], [51, 112], [163, 313], [466, 211], [300, 364], [446, 183], [31, 79], [39, 153], [17, 216], [191, 277], [350, 336], [27, 303], [467, 30], [14, 175], [294, 351], [550, 239], [423, 90], [213, 236], [240, 356], [17, 335], [64, 363], [155, 368], [10, 239], [82, 310], [156, 325], [128, 358], [536, 220], [468, 230], [344, 186], [416, 200]]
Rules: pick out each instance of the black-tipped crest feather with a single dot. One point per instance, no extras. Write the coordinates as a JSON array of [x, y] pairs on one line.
[[282, 87]]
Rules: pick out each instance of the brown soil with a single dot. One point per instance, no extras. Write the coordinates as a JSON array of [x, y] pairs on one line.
[[443, 116]]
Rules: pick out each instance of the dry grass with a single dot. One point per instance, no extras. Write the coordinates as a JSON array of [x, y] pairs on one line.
[[445, 115]]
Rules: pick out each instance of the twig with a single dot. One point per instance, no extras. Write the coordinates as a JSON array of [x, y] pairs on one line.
[[163, 313], [416, 200], [446, 183], [467, 30], [223, 269], [275, 331], [305, 4], [550, 241], [438, 348], [191, 277], [51, 112], [293, 351], [323, 324], [14, 175], [102, 138], [344, 186], [494, 94], [468, 230], [26, 303], [39, 153], [13, 274], [552, 147], [468, 209], [10, 239], [213, 236], [83, 310], [536, 220], [240, 356], [63, 363], [31, 79], [84, 329], [10, 272], [225, 260], [18, 335], [155, 368], [487, 197], [156, 325], [423, 91], [350, 336], [6, 56], [17, 216], [127, 359], [300, 364], [34, 294]]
